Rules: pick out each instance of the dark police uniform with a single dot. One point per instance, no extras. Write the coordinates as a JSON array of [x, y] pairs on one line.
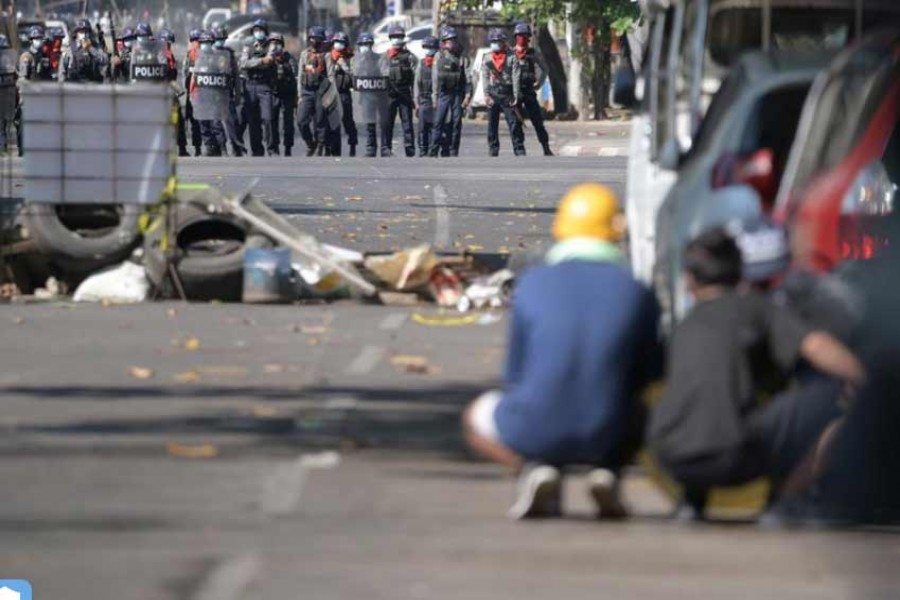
[[186, 70], [452, 85], [400, 65], [341, 75], [83, 65], [502, 86], [285, 99], [313, 120], [529, 62], [425, 102], [259, 97]]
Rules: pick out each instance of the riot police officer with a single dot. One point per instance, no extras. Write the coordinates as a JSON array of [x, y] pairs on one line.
[[502, 80], [9, 105], [371, 114], [190, 58], [424, 93], [121, 63], [313, 73], [230, 128], [55, 38], [168, 37], [285, 92], [529, 62], [34, 64], [81, 62], [453, 88], [400, 65], [213, 139], [258, 70], [341, 74]]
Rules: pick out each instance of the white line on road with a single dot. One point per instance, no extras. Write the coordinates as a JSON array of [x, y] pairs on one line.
[[230, 579], [367, 360], [442, 220], [392, 322], [281, 493]]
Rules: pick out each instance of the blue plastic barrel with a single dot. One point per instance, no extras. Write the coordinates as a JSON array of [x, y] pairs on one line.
[[267, 276]]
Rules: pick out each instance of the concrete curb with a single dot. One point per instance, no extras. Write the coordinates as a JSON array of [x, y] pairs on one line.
[[602, 152]]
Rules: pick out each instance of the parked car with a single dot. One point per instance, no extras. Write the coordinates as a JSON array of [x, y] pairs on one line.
[[414, 38], [237, 37], [692, 45], [844, 168], [380, 30], [216, 17], [745, 141]]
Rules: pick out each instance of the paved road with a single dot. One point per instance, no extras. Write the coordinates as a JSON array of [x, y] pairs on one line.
[[179, 452]]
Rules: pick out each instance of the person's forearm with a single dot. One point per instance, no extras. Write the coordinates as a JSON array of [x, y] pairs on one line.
[[833, 358]]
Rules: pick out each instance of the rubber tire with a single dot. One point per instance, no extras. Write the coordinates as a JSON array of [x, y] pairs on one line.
[[204, 277], [52, 237]]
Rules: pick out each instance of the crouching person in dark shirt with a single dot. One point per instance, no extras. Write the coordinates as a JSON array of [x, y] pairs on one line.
[[709, 430], [583, 343]]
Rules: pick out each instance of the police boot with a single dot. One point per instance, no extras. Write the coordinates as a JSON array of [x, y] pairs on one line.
[[547, 150], [353, 150], [288, 151], [198, 150], [311, 150]]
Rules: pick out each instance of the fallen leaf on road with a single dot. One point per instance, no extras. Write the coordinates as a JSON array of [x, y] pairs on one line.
[[474, 248], [171, 313], [353, 198], [414, 364], [191, 344], [141, 372], [313, 341], [191, 450], [262, 411], [191, 376], [19, 320], [274, 369], [314, 329]]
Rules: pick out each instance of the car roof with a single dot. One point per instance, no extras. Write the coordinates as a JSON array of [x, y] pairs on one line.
[[277, 26]]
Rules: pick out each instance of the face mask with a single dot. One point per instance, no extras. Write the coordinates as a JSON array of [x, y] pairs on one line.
[[128, 43], [36, 44], [205, 46], [260, 35], [397, 42], [220, 43], [276, 48], [365, 49], [340, 46], [82, 36], [496, 47], [430, 52]]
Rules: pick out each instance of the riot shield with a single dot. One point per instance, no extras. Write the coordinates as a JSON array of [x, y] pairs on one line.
[[148, 62], [370, 85], [8, 62], [212, 85]]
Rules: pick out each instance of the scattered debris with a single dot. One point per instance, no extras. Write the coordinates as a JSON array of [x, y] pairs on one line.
[[123, 284], [406, 270], [398, 299], [492, 291], [445, 287], [190, 344], [414, 364], [191, 376], [9, 291], [51, 289]]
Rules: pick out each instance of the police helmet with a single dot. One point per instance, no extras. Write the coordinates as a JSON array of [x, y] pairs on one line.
[[496, 35], [206, 37], [365, 38], [396, 31], [127, 34], [448, 33], [431, 43], [276, 37], [36, 33], [194, 35], [143, 30], [167, 35], [219, 33], [82, 25], [342, 38], [523, 29], [260, 24], [56, 33], [316, 32]]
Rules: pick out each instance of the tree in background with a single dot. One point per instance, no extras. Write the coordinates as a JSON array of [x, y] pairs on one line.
[[594, 22]]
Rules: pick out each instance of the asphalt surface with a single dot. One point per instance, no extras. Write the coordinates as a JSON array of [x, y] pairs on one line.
[[171, 451]]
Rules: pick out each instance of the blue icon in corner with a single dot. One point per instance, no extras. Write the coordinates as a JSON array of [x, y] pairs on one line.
[[15, 589]]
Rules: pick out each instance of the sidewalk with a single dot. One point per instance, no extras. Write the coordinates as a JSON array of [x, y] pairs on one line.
[[605, 139]]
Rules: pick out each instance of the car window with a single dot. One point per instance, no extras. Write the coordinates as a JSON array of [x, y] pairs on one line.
[[419, 34], [731, 89]]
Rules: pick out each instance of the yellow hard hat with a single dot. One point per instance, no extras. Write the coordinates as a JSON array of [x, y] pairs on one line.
[[588, 210]]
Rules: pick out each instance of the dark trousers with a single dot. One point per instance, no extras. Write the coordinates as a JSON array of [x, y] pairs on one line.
[[234, 132], [348, 123], [196, 137], [501, 105], [284, 118], [426, 130], [258, 103], [532, 109], [312, 120], [212, 138], [372, 141], [448, 124], [181, 130], [402, 105]]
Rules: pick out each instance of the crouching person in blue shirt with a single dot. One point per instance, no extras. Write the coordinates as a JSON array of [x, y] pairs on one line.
[[583, 344]]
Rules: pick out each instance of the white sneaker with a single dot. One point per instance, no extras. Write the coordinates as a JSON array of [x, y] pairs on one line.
[[538, 493], [604, 489]]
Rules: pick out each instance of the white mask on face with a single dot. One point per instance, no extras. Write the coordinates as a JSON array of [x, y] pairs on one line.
[[206, 46], [82, 36], [365, 49], [220, 43], [430, 52], [397, 42], [128, 43], [340, 46], [496, 47], [260, 35], [36, 44]]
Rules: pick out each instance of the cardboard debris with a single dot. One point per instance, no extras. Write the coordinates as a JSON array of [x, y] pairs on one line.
[[191, 450], [407, 270]]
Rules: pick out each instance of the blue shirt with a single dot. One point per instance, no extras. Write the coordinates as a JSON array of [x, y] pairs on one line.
[[583, 343]]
